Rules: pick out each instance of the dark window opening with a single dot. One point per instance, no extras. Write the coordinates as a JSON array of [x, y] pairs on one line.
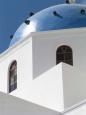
[[67, 1], [57, 14], [11, 36], [70, 1], [82, 11], [13, 76], [64, 54], [31, 14], [27, 22]]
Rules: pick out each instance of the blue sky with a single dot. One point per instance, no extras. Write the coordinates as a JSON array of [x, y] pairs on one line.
[[14, 12]]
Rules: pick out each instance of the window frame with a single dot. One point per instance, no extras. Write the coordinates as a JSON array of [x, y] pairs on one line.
[[68, 59], [14, 77]]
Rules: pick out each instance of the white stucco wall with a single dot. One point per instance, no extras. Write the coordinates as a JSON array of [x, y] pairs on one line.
[[74, 85], [45, 45], [23, 55], [44, 57], [79, 109], [10, 105], [46, 91], [39, 79]]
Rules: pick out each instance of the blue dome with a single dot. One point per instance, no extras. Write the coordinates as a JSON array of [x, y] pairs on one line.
[[53, 18]]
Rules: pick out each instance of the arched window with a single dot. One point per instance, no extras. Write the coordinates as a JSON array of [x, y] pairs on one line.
[[70, 1], [64, 54], [13, 76], [82, 12]]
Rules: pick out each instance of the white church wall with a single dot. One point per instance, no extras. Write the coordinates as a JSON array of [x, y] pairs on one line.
[[3, 77], [45, 45], [10, 105], [79, 109], [74, 85], [39, 53], [23, 55], [47, 89], [38, 91], [60, 87]]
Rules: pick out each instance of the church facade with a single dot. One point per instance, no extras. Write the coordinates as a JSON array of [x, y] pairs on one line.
[[45, 73]]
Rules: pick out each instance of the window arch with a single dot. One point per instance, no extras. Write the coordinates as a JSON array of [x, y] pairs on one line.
[[64, 54], [13, 76], [70, 1]]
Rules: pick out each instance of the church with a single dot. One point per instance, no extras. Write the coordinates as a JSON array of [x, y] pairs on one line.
[[43, 71]]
